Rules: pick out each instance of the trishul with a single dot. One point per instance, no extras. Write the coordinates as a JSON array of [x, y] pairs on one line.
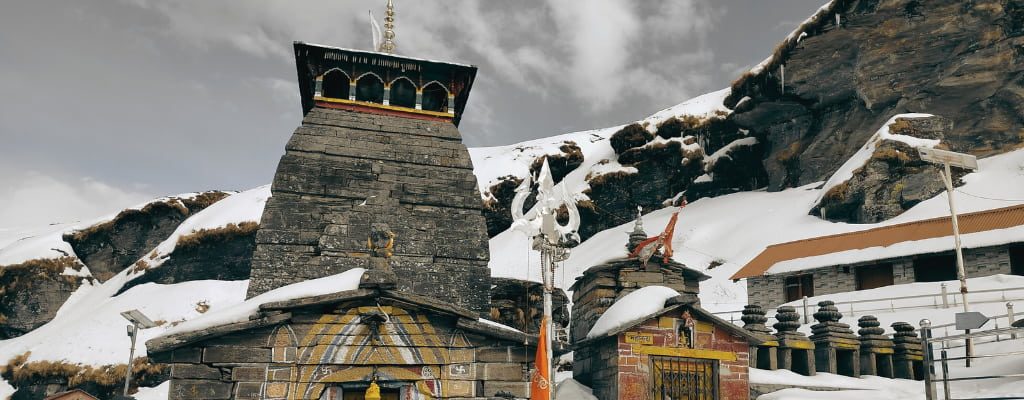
[[540, 220]]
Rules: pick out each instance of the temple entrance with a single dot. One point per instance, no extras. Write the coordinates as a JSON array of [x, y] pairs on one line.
[[338, 393], [681, 378], [874, 276]]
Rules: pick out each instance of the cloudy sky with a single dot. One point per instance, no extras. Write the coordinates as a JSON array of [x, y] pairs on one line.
[[106, 103]]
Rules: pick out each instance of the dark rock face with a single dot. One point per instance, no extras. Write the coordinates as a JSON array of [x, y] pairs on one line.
[[520, 304], [630, 136], [344, 172], [893, 180], [663, 170], [32, 292], [497, 209], [110, 247], [221, 254], [961, 60]]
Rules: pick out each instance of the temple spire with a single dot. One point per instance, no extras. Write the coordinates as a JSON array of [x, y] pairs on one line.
[[388, 45]]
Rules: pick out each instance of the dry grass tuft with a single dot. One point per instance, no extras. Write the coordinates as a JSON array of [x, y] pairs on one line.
[[221, 234], [20, 371], [835, 195], [203, 306]]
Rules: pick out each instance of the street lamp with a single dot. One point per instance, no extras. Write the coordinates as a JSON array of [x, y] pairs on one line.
[[549, 238], [970, 163], [138, 321]]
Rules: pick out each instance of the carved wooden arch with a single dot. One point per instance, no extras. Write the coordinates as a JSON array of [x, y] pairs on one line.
[[402, 97], [434, 103], [365, 92], [335, 88]]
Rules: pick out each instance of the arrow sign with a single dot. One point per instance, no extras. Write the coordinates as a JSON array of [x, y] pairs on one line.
[[970, 320]]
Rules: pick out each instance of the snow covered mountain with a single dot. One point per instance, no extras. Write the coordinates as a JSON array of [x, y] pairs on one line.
[[825, 127]]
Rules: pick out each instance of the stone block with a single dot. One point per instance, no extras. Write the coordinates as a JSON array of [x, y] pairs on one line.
[[249, 373], [502, 354], [502, 372], [517, 389], [194, 371], [234, 354], [195, 389], [248, 390]]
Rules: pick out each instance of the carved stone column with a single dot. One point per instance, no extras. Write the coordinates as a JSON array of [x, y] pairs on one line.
[[764, 355], [876, 349], [836, 348], [908, 352], [795, 351]]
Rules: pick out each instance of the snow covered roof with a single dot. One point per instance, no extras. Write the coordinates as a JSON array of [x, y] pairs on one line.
[[651, 302], [977, 229]]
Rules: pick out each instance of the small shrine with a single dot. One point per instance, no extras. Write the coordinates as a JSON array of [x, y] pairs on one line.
[[765, 354], [679, 351], [908, 352]]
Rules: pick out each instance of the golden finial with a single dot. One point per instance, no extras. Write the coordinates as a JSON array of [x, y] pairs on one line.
[[388, 45]]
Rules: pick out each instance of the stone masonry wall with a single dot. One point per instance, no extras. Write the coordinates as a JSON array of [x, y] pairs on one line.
[[636, 372], [348, 174], [596, 366], [769, 291]]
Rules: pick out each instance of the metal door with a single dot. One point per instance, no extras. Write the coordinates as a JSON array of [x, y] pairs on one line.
[[679, 378]]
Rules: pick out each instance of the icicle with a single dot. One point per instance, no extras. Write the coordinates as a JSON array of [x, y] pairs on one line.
[[782, 77], [838, 21]]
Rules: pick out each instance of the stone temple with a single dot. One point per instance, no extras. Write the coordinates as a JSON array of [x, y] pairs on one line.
[[377, 157], [376, 178]]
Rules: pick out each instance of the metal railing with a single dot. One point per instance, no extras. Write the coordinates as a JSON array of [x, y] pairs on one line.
[[941, 300], [930, 378]]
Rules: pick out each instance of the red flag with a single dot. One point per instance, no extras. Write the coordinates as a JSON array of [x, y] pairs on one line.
[[540, 385], [645, 249]]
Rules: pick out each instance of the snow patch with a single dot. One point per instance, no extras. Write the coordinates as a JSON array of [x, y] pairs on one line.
[[632, 308], [159, 392], [348, 280], [570, 389]]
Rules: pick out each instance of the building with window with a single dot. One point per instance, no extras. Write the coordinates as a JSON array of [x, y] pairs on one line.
[[919, 251]]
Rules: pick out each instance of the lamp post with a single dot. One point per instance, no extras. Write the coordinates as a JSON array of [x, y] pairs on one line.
[[549, 238], [138, 321], [963, 161]]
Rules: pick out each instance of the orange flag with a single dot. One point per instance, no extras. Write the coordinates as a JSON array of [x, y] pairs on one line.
[[540, 385]]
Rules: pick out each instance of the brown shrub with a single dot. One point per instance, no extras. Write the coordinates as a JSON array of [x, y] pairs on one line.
[[890, 155], [789, 154], [140, 266], [671, 128], [561, 164], [217, 234], [19, 371], [630, 136], [835, 195]]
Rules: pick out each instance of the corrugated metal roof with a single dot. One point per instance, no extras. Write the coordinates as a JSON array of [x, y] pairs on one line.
[[1000, 218]]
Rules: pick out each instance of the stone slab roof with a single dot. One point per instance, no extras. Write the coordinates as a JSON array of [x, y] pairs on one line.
[[673, 304], [977, 222]]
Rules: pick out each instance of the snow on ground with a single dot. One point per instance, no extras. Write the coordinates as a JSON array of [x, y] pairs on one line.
[[632, 308], [348, 280], [6, 390], [992, 304], [159, 392], [570, 389], [91, 330], [861, 157]]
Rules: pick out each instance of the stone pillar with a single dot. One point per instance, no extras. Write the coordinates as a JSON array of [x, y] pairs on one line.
[[419, 99], [876, 349], [908, 352], [836, 348], [764, 355], [352, 90], [387, 95], [795, 351], [319, 89]]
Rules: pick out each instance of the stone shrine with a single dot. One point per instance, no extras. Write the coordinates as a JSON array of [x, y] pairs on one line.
[[377, 170]]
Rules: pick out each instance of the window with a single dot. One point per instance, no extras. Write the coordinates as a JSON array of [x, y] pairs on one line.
[[435, 97], [370, 88], [684, 378], [874, 276], [335, 85], [935, 268], [799, 286], [1017, 260], [403, 93]]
